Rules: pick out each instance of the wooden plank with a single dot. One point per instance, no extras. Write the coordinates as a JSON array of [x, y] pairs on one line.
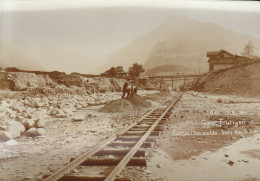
[[84, 178], [154, 133], [138, 129], [129, 144], [139, 153], [113, 162], [135, 138]]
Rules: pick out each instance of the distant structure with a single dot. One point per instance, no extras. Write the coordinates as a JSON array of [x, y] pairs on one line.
[[222, 59], [119, 73]]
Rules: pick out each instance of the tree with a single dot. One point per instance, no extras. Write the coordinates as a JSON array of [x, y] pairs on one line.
[[112, 71], [248, 50], [135, 70], [119, 69]]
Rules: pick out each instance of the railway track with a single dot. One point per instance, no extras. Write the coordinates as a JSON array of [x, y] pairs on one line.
[[125, 148]]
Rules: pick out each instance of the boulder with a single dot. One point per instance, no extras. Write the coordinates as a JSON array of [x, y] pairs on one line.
[[3, 116], [5, 136], [3, 127], [40, 123], [10, 113], [68, 111], [15, 129], [54, 111], [78, 118], [18, 118], [5, 104], [37, 115], [28, 123], [35, 132], [11, 142], [37, 103], [61, 115]]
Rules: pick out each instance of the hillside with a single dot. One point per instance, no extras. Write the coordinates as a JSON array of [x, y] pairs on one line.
[[240, 81], [10, 57], [139, 50], [167, 69], [189, 46]]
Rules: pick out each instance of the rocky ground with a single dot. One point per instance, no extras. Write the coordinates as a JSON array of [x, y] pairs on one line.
[[209, 138], [40, 135]]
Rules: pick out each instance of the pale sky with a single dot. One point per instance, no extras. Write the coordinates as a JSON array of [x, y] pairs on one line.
[[90, 30], [25, 5]]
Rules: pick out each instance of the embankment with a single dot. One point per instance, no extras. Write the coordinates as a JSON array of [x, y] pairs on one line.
[[240, 81]]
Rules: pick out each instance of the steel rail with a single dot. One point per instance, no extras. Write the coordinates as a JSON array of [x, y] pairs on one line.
[[131, 153], [72, 165]]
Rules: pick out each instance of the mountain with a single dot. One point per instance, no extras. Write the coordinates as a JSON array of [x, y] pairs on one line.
[[189, 45], [139, 50], [10, 57], [88, 34], [167, 69], [68, 61]]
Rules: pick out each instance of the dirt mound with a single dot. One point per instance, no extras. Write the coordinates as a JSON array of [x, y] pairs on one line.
[[126, 105], [240, 81], [158, 96]]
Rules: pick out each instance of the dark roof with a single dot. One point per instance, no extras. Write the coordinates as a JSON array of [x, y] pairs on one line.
[[215, 53], [212, 53]]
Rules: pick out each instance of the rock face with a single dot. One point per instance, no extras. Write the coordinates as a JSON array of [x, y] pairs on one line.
[[15, 129], [181, 48], [141, 48]]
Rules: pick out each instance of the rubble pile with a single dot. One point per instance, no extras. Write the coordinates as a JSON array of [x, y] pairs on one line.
[[28, 116]]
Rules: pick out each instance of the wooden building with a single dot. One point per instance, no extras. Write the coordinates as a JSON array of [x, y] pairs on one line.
[[222, 59], [118, 73]]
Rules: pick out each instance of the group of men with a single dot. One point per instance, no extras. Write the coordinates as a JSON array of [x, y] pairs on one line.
[[129, 89]]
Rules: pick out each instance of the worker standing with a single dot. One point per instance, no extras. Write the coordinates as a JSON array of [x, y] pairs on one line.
[[135, 89], [125, 89]]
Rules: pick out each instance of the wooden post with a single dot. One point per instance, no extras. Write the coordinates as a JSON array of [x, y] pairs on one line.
[[172, 83]]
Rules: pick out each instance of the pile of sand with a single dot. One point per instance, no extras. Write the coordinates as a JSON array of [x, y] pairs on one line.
[[136, 103]]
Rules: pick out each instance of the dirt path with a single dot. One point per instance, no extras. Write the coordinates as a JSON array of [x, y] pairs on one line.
[[197, 146]]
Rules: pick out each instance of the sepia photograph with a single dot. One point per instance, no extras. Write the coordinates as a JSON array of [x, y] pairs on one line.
[[129, 90]]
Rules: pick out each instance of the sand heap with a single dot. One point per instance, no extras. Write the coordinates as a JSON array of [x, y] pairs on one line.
[[126, 105]]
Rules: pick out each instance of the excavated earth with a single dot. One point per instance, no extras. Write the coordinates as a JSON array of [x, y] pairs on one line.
[[242, 81]]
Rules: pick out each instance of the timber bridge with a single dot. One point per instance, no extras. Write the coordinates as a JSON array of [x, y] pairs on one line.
[[180, 78]]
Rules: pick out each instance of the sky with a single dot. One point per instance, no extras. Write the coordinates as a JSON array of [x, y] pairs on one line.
[[48, 30], [13, 5]]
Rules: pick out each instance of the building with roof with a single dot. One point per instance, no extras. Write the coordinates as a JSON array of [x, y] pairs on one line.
[[222, 59], [118, 73]]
